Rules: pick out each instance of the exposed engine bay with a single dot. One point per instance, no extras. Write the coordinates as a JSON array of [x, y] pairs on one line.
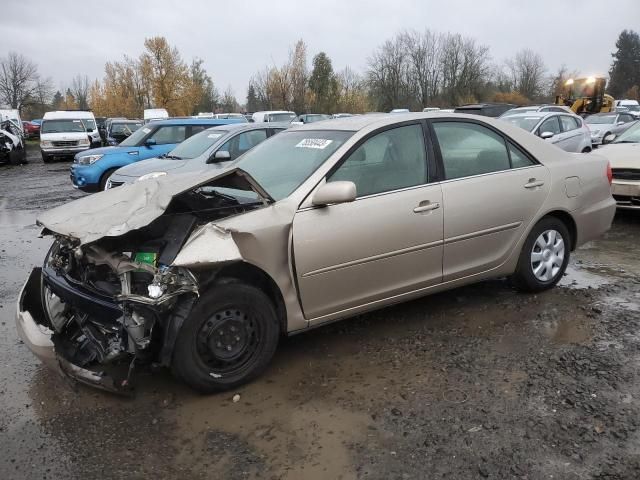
[[12, 147], [120, 300]]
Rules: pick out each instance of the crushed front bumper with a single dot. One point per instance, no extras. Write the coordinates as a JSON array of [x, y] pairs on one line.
[[30, 323]]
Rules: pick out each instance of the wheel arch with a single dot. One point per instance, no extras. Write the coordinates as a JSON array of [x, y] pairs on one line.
[[566, 218]]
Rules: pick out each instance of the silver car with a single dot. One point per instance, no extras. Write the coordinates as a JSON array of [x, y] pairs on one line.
[[537, 109], [204, 274], [602, 125], [565, 130], [213, 147]]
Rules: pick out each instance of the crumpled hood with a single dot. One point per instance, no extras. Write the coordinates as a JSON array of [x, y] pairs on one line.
[[151, 165], [116, 211], [622, 155]]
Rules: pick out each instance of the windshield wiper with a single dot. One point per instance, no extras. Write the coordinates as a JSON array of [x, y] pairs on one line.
[[626, 141], [172, 157]]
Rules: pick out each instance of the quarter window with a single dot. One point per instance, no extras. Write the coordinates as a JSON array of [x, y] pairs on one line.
[[469, 149], [518, 159], [390, 160]]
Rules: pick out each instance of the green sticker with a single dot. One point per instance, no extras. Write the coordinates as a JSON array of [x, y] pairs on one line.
[[146, 257]]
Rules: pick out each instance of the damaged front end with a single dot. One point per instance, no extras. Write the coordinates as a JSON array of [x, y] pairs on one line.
[[96, 309]]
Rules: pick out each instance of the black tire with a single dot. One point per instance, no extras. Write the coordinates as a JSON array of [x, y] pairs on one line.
[[524, 277], [105, 178], [207, 366], [46, 158], [586, 150]]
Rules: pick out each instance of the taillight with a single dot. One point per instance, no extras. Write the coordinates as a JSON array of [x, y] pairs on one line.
[[609, 173]]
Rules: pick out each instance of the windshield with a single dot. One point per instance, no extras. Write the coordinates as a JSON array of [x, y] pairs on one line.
[[600, 119], [516, 111], [281, 117], [283, 162], [526, 123], [125, 129], [59, 126], [633, 108], [632, 135], [136, 137], [316, 118], [196, 145]]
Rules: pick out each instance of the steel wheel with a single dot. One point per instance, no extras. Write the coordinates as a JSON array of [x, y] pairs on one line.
[[228, 340], [547, 255]]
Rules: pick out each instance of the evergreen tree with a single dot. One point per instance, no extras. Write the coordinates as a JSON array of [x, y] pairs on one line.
[[625, 69]]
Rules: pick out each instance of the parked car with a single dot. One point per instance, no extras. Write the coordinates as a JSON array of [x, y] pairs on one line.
[[430, 109], [537, 108], [155, 114], [205, 273], [30, 129], [100, 121], [37, 121], [604, 124], [342, 115], [564, 130], [91, 169], [631, 106], [62, 135], [12, 114], [212, 148], [90, 125], [273, 116], [119, 130], [623, 154], [485, 109], [400, 110], [309, 118]]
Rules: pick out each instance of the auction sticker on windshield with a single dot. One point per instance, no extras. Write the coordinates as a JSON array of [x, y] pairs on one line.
[[320, 143], [146, 129]]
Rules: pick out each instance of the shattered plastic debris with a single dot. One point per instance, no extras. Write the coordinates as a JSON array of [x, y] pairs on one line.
[[236, 398]]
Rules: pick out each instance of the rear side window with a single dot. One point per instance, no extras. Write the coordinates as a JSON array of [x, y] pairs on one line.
[[518, 158], [469, 149], [568, 123]]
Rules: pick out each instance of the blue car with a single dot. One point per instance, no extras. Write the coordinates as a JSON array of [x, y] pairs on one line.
[[92, 168]]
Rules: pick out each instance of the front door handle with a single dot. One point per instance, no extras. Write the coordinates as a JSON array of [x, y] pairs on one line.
[[426, 207], [533, 183]]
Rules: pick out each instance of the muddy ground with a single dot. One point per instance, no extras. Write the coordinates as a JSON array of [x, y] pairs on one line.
[[479, 382]]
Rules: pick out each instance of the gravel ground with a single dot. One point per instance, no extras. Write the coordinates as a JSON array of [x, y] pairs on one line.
[[478, 382]]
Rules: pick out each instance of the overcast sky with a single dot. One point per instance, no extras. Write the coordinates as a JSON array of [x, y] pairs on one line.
[[238, 37]]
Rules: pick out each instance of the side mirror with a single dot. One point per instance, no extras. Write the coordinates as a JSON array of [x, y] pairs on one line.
[[546, 135], [150, 142], [220, 156], [609, 138], [620, 123], [334, 193]]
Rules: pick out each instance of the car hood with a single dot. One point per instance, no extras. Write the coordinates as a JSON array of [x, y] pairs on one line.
[[150, 165], [622, 155], [110, 150], [114, 212]]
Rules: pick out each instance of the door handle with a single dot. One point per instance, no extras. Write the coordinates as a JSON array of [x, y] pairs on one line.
[[426, 207], [533, 183]]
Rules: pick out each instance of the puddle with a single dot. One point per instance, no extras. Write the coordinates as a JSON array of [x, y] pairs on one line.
[[577, 277], [567, 330]]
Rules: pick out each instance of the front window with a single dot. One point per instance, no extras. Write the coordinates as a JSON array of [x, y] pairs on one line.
[[282, 163], [135, 139], [630, 136], [89, 123], [60, 126], [169, 134], [280, 117], [526, 123], [196, 145], [244, 142], [601, 119]]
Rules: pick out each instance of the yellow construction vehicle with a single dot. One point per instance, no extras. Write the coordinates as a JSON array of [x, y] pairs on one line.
[[586, 96]]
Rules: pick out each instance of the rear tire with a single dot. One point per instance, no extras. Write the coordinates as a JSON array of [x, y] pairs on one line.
[[228, 339], [544, 256]]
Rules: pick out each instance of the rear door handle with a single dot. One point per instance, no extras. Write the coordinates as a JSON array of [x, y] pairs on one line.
[[426, 207], [533, 183]]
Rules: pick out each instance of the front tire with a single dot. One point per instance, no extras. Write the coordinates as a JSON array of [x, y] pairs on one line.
[[544, 256], [105, 178], [228, 339]]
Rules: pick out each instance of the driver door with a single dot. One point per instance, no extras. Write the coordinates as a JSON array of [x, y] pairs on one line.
[[386, 243]]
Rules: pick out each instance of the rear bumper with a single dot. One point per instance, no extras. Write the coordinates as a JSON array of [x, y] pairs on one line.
[[594, 221], [40, 340]]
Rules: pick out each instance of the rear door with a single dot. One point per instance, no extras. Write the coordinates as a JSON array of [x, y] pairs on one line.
[[387, 242], [552, 125], [572, 133], [491, 191]]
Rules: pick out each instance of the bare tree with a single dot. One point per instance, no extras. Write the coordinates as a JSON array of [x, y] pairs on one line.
[[424, 57], [465, 68], [528, 73], [387, 74], [18, 79], [80, 89]]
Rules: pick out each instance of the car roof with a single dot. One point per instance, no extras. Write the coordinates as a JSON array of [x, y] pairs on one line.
[[534, 114], [244, 126], [197, 121], [604, 114]]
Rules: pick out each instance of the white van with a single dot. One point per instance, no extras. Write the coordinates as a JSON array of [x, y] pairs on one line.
[[89, 121], [151, 114], [63, 134], [273, 116]]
